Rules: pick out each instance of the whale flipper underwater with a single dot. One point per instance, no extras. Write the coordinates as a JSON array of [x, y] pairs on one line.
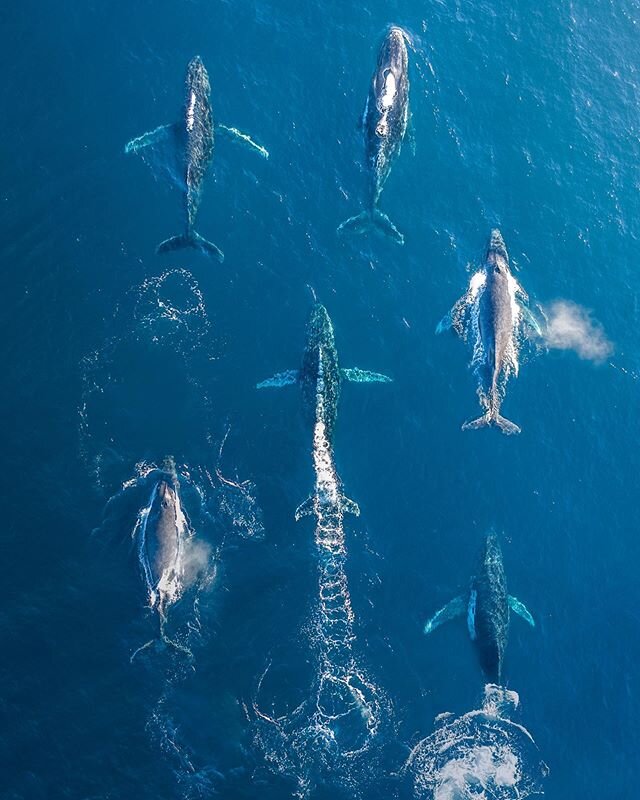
[[384, 125], [492, 317], [183, 152], [321, 340], [487, 606]]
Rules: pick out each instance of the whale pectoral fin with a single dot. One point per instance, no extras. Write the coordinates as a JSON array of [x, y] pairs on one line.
[[159, 149], [531, 324], [150, 139], [356, 375], [411, 134], [454, 608], [305, 509], [286, 378], [456, 320], [363, 116], [242, 138], [350, 507], [446, 323], [521, 610]]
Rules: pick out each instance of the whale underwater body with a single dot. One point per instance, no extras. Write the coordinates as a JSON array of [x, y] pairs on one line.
[[183, 151], [384, 124], [494, 318], [162, 535], [487, 606]]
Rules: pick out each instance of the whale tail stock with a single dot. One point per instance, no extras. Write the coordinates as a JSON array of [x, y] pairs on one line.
[[191, 239], [372, 219], [487, 420]]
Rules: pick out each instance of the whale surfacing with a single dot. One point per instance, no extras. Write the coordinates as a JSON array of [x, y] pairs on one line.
[[487, 606], [491, 316], [384, 125]]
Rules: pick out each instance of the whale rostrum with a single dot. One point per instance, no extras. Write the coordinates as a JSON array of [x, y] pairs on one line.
[[183, 152], [487, 606]]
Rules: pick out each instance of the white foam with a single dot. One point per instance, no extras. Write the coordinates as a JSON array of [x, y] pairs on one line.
[[191, 111]]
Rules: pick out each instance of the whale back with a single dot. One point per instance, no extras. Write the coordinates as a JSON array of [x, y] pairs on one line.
[[387, 112], [492, 609], [320, 338]]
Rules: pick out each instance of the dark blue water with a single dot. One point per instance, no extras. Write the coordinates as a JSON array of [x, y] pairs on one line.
[[525, 117]]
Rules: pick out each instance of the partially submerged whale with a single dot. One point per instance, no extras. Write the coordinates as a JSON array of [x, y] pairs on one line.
[[384, 125], [161, 536], [185, 150], [491, 316], [487, 606], [321, 347]]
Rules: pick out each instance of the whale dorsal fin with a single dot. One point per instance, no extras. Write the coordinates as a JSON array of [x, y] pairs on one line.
[[454, 608], [356, 375], [521, 610], [286, 378]]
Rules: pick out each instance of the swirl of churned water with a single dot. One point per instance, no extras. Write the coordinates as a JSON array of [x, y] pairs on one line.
[[331, 737], [481, 755]]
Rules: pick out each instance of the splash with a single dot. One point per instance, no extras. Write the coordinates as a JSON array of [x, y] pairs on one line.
[[481, 754], [329, 737], [571, 327]]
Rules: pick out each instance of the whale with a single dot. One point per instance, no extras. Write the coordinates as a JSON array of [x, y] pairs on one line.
[[161, 537], [487, 606], [320, 348], [384, 124], [492, 316], [184, 152]]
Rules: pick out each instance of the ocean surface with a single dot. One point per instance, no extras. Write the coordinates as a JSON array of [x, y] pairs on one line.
[[526, 117]]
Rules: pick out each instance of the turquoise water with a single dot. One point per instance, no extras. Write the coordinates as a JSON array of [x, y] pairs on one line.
[[525, 118]]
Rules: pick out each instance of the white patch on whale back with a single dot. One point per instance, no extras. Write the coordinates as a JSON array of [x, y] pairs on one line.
[[389, 92], [191, 111]]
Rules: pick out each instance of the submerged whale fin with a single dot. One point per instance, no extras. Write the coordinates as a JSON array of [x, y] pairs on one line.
[[305, 509], [192, 239], [445, 324], [374, 219], [350, 507], [160, 150], [243, 138], [521, 610], [286, 378], [356, 375], [161, 643], [487, 420], [454, 608]]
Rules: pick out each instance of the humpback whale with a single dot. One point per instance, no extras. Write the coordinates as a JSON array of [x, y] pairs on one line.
[[487, 606], [321, 348], [491, 316], [384, 125], [185, 149], [161, 536]]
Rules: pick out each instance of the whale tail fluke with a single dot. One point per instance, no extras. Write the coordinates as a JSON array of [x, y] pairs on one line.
[[487, 420], [192, 239], [368, 220]]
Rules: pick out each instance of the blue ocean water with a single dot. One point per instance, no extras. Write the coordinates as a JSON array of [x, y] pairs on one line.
[[525, 118]]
